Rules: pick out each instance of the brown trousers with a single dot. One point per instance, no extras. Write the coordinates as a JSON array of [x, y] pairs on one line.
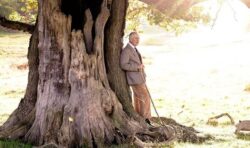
[[141, 100]]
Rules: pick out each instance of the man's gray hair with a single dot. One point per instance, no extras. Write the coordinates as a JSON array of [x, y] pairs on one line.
[[132, 34]]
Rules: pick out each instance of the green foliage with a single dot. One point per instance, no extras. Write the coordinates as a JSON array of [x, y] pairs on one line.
[[13, 144], [19, 10], [135, 12], [173, 20], [6, 7], [28, 10]]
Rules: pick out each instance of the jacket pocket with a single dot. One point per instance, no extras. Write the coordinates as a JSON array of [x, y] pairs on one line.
[[136, 77]]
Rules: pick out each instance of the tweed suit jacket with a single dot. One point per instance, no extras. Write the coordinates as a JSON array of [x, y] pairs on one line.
[[130, 62]]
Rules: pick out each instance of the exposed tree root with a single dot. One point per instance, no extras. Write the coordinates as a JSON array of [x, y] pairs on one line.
[[19, 129], [142, 144], [134, 133], [214, 120], [49, 145], [157, 134], [183, 133], [164, 135], [243, 130], [243, 126]]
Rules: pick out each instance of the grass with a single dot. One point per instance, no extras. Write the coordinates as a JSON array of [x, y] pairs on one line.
[[13, 80], [243, 136], [13, 93], [13, 144], [13, 51]]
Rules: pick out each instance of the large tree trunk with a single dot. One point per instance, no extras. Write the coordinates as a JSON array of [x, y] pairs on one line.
[[75, 104]]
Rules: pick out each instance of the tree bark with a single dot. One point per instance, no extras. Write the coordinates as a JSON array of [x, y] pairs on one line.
[[16, 25]]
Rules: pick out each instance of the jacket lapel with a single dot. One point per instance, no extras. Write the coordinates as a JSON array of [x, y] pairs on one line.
[[136, 55]]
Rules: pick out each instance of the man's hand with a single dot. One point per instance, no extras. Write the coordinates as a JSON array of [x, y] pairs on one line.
[[141, 67]]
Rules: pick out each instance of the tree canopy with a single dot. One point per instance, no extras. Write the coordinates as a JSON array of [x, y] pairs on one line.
[[19, 10], [175, 17]]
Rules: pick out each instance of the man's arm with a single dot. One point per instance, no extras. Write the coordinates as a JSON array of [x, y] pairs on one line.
[[125, 64]]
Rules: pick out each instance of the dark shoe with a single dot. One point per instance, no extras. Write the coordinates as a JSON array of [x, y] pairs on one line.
[[148, 122]]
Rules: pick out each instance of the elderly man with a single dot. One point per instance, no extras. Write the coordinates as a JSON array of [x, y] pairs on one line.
[[131, 63]]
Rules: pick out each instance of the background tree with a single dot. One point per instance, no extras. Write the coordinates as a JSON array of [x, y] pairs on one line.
[[174, 16], [19, 10]]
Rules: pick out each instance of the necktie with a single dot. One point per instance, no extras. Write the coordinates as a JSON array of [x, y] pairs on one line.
[[139, 55]]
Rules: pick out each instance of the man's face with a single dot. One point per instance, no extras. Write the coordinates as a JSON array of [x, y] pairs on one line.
[[135, 39]]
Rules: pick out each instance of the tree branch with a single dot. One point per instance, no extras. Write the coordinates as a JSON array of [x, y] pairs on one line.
[[16, 25], [213, 120], [139, 143], [87, 29]]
